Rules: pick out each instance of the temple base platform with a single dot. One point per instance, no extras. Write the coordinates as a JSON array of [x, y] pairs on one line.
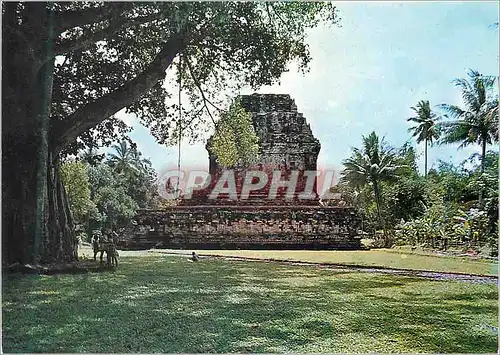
[[245, 227]]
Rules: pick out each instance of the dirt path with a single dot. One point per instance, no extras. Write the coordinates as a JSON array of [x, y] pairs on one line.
[[434, 275]]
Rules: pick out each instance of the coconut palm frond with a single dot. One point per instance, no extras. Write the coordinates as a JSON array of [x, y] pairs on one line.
[[374, 162], [477, 122], [425, 129], [470, 95], [453, 111], [456, 132], [121, 160]]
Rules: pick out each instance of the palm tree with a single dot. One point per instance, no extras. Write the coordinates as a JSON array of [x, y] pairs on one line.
[[478, 121], [91, 156], [138, 161], [374, 163], [425, 129], [122, 160]]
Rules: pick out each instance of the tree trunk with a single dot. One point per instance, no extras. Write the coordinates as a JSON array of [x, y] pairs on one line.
[[376, 191], [19, 205], [45, 87], [32, 191], [425, 172], [483, 161], [20, 138], [63, 246], [90, 224], [18, 198], [483, 155], [43, 231]]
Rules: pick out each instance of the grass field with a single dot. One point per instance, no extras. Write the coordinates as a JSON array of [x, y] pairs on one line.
[[375, 257], [160, 303]]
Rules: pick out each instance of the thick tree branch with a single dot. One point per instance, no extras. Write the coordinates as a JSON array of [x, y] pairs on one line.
[[115, 26], [67, 130], [74, 18], [86, 40]]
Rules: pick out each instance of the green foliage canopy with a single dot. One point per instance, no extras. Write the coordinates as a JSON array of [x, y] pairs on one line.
[[115, 56], [235, 142], [75, 180], [121, 184]]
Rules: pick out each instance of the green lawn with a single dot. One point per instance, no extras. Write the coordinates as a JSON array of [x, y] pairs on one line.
[[161, 303], [376, 257]]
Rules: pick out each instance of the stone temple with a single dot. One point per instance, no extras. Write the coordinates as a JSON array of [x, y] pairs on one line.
[[285, 138], [286, 144]]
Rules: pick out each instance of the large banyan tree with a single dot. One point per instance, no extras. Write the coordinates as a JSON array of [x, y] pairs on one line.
[[69, 67]]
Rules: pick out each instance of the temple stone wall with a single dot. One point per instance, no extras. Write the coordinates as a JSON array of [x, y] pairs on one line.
[[247, 227]]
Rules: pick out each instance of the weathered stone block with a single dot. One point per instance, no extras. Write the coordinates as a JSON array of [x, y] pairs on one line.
[[334, 228]]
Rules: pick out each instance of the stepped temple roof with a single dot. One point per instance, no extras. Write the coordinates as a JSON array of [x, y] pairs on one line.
[[286, 144]]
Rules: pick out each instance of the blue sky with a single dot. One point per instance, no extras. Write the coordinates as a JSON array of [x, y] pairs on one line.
[[366, 74]]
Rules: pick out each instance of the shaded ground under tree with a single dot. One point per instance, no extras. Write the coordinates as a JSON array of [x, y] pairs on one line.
[[167, 304]]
